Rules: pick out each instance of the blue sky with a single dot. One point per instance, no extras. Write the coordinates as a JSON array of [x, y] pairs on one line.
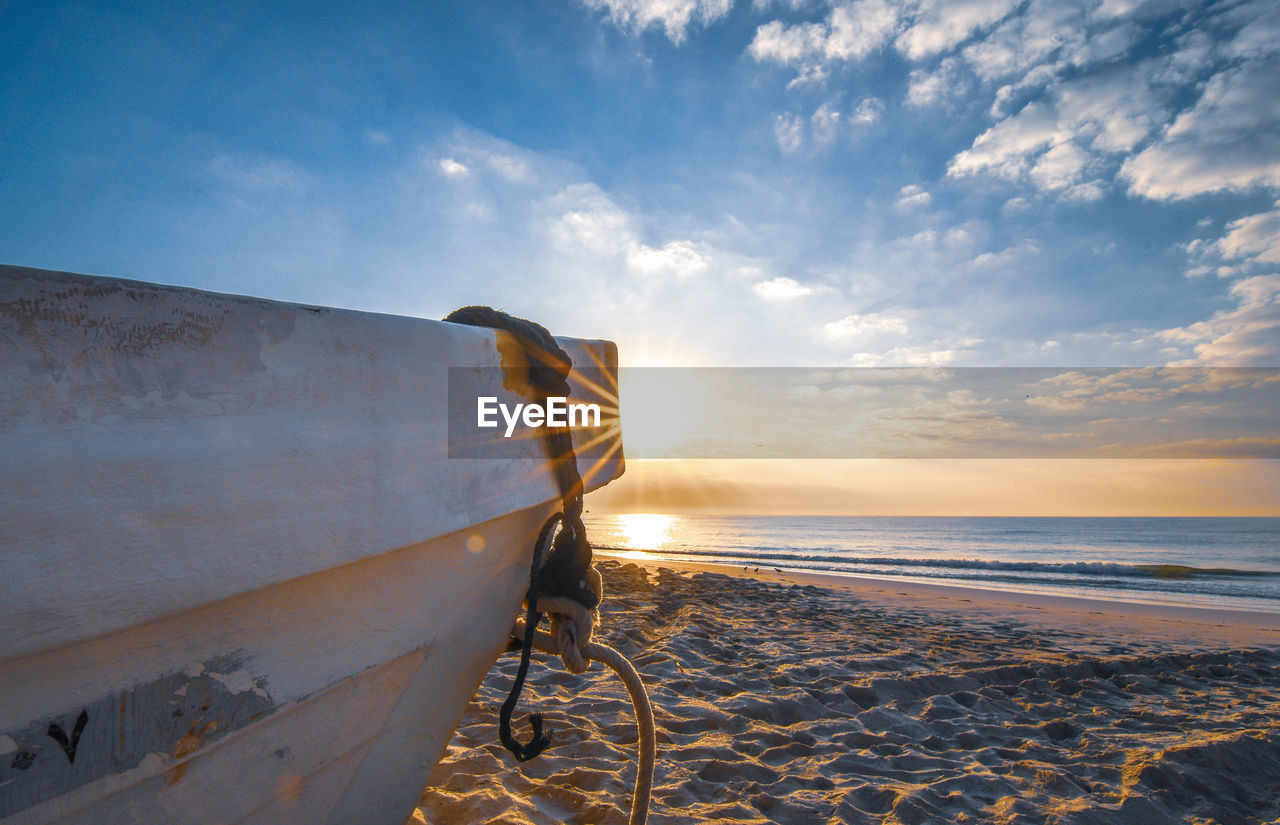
[[706, 182]]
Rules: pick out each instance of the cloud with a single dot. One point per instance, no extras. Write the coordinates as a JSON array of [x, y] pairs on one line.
[[453, 169], [1113, 112], [855, 325], [940, 25], [1005, 149], [1249, 243], [674, 17], [929, 87], [556, 232], [1226, 142], [913, 196], [781, 289], [512, 168], [1060, 167], [1010, 259], [826, 126], [1052, 144], [1259, 34], [589, 219], [471, 153], [788, 131], [851, 31], [869, 111], [1239, 447], [1254, 237], [826, 123], [908, 356], [1093, 390], [1158, 391], [680, 258], [1073, 118], [1081, 119], [1248, 334], [1046, 31], [1015, 205], [932, 251]]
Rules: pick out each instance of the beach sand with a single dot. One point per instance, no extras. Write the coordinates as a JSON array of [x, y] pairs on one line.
[[877, 701]]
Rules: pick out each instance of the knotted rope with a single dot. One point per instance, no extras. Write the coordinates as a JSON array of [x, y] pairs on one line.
[[566, 586], [595, 651]]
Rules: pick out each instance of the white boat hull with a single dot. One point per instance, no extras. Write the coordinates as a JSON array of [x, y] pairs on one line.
[[241, 579]]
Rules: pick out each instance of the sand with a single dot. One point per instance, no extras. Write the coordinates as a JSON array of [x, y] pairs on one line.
[[871, 701]]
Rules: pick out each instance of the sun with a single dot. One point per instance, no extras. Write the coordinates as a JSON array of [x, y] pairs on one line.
[[663, 410]]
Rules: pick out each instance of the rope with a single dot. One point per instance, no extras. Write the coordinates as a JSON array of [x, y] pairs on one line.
[[566, 586], [549, 365], [549, 368], [571, 627], [539, 741], [565, 569], [647, 744]]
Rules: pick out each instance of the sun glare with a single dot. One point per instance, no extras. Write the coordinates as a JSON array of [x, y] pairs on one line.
[[646, 531], [663, 409]]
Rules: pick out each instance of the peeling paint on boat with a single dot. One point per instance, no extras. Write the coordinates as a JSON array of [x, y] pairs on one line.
[[170, 717]]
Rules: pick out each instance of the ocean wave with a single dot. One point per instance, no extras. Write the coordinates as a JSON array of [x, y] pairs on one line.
[[1167, 572]]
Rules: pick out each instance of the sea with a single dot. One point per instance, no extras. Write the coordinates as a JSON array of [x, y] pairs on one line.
[[1213, 562]]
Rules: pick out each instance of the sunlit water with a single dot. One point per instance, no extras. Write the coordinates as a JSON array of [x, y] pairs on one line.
[[1223, 562]]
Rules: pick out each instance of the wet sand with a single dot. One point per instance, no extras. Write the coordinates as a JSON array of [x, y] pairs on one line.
[[883, 702]]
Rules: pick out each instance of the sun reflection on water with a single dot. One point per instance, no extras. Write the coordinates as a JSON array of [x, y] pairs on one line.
[[645, 531]]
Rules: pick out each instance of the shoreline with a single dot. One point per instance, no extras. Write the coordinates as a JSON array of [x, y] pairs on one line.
[[1180, 623]]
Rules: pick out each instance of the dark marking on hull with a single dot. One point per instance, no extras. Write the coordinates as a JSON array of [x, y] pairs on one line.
[[69, 745], [22, 760], [174, 716]]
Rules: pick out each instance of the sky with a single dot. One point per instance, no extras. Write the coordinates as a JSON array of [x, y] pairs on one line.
[[970, 183]]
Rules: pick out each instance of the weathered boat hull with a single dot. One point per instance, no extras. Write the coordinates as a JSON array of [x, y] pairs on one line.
[[241, 579]]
